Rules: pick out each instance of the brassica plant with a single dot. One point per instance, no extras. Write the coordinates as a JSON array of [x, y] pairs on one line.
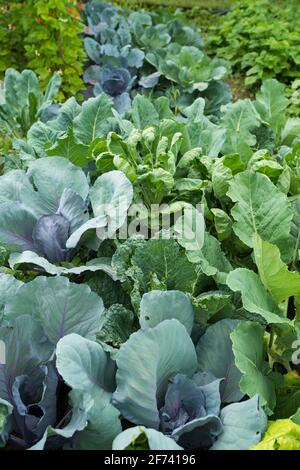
[[45, 214], [172, 397], [116, 82], [22, 102]]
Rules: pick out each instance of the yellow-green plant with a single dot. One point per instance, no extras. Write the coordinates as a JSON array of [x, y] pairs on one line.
[[52, 41], [43, 35]]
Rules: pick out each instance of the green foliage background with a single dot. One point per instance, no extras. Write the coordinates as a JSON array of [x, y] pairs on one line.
[[43, 35]]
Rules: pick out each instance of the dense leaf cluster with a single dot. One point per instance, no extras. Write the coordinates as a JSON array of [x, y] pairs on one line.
[[168, 342]]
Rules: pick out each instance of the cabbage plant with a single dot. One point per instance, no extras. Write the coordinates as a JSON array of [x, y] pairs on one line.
[[116, 82], [171, 393], [44, 324], [47, 212]]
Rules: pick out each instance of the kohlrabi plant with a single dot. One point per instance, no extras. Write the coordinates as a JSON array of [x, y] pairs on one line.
[[45, 215]]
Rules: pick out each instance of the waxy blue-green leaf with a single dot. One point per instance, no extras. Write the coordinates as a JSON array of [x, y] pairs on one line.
[[215, 355], [50, 177], [61, 307], [243, 425], [157, 306], [145, 363]]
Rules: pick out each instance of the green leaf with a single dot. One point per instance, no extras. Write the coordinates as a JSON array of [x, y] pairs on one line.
[[52, 88], [39, 137], [282, 434], [248, 348], [9, 287], [168, 262], [144, 113], [31, 258], [6, 409], [288, 396], [145, 363], [239, 119], [211, 259], [274, 274], [82, 364], [157, 306], [117, 324], [291, 131], [92, 121], [295, 229], [66, 147], [260, 208], [207, 304], [110, 196], [190, 229], [223, 224], [254, 296], [270, 104], [141, 438], [214, 352]]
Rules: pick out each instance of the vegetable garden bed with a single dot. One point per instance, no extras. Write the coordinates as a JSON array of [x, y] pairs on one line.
[[149, 242]]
